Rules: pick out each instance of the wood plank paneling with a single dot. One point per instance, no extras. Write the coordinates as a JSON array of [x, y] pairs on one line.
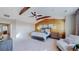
[[59, 23]]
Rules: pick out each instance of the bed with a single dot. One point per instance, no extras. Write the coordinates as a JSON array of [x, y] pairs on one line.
[[40, 35]]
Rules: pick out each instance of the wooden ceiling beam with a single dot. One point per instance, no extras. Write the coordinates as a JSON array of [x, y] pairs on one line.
[[23, 10]]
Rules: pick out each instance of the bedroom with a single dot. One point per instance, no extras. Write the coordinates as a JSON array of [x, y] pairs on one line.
[[24, 25]]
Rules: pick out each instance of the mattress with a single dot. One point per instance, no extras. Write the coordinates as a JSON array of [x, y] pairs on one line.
[[39, 35]]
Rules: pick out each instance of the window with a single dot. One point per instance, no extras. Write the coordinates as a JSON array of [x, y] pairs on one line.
[[4, 27]]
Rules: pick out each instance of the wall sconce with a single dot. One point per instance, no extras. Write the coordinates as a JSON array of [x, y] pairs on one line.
[[39, 27]]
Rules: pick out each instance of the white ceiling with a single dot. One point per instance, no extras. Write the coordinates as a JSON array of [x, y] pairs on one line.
[[55, 12]]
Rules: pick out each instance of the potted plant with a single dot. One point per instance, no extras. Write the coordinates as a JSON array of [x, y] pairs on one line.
[[76, 47]]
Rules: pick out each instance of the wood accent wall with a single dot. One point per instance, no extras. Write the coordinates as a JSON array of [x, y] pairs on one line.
[[59, 23]]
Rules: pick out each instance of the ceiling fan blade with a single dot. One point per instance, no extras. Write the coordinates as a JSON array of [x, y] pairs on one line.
[[23, 10], [39, 15], [33, 13], [43, 17]]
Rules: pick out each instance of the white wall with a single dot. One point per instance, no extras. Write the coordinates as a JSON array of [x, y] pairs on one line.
[[70, 25], [23, 29], [22, 34]]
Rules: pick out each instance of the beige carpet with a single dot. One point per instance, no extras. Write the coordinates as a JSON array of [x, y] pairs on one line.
[[35, 45]]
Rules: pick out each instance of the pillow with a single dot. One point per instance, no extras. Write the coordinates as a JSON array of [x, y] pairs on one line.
[[45, 32], [69, 40], [75, 38]]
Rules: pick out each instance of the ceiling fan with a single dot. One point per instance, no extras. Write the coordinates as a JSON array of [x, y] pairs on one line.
[[38, 16], [34, 14]]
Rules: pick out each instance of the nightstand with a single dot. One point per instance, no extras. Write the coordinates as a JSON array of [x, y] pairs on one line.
[[55, 35]]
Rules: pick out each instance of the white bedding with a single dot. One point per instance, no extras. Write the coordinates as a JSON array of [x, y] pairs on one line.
[[40, 34]]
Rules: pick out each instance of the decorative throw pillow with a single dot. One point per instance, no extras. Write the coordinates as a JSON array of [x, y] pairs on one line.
[[67, 41]]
